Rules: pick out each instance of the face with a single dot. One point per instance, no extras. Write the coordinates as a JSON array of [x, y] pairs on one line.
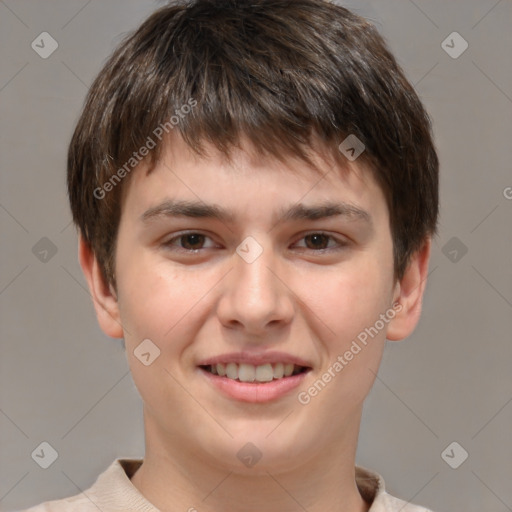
[[263, 268]]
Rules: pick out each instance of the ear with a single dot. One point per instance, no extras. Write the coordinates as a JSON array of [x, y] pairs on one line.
[[409, 294], [103, 294]]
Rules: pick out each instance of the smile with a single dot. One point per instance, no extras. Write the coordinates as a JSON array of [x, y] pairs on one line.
[[255, 384], [250, 373]]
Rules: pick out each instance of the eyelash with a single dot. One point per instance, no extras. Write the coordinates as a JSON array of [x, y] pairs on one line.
[[169, 243]]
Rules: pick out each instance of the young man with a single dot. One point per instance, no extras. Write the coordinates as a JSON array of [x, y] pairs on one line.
[[256, 188]]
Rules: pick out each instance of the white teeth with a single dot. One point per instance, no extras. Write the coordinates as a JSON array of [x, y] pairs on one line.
[[288, 369], [278, 370], [250, 373], [246, 373], [232, 371], [264, 373]]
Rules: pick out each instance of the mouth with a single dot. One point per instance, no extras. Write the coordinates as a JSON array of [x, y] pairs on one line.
[[259, 374], [255, 377], [262, 383]]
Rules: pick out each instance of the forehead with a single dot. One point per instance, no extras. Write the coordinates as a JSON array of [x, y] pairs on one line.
[[249, 181]]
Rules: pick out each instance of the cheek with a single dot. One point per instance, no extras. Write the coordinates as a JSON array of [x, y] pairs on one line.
[[153, 305], [167, 304], [152, 301], [347, 309], [347, 300]]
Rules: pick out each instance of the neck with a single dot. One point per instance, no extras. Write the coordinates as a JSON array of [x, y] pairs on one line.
[[179, 479]]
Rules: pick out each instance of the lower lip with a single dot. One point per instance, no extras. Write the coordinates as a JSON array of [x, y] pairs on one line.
[[255, 392]]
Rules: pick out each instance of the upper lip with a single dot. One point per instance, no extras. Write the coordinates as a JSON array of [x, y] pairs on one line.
[[255, 359]]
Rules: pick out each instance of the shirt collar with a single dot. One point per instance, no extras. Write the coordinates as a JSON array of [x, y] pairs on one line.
[[114, 486]]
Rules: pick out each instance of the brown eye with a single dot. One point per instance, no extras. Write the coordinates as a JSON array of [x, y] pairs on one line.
[[318, 241], [189, 242], [192, 241]]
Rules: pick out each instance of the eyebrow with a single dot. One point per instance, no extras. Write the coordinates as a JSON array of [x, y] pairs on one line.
[[300, 211]]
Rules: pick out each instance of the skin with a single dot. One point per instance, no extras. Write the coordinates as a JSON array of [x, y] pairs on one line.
[[293, 298]]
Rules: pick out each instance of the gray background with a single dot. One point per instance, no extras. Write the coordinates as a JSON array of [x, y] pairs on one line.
[[62, 381]]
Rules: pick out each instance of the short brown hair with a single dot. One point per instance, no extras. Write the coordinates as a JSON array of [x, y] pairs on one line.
[[277, 71]]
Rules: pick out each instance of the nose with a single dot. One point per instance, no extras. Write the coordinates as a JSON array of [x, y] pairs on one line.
[[256, 298]]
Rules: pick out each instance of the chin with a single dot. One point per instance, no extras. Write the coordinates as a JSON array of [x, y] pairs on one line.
[[259, 454]]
